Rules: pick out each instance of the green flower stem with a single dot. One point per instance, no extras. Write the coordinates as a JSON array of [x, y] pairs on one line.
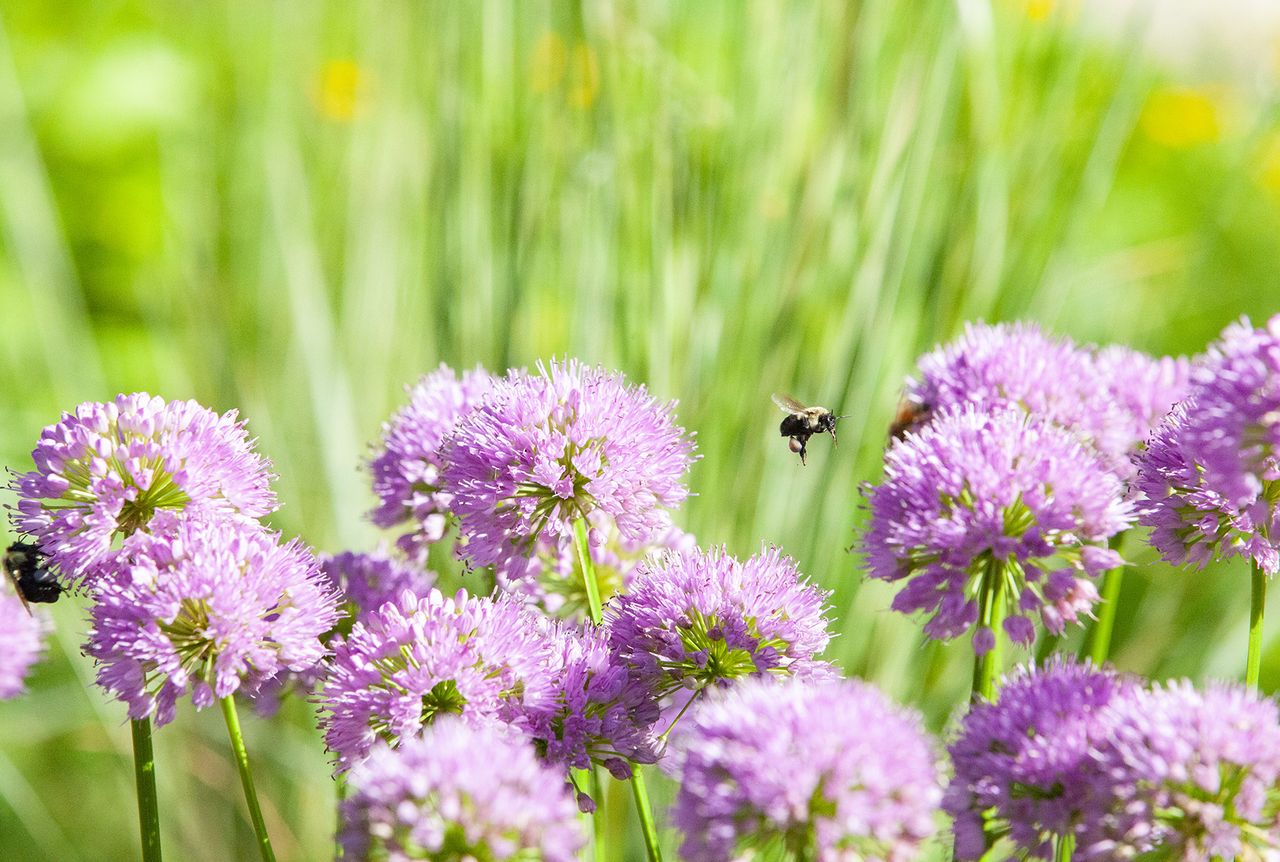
[[1064, 846], [1100, 639], [645, 810], [588, 570], [990, 615], [1100, 635], [246, 777], [1253, 666], [599, 830], [144, 772]]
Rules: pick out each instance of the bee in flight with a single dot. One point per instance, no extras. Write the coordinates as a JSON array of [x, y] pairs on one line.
[[26, 565], [803, 422]]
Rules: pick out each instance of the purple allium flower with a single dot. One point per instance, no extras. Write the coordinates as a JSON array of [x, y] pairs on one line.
[[458, 794], [368, 581], [601, 713], [546, 449], [1028, 758], [1210, 474], [1014, 365], [406, 470], [1001, 495], [1143, 389], [107, 469], [832, 771], [1192, 775], [21, 643], [1192, 522], [365, 582], [699, 618], [206, 606], [553, 583], [418, 658]]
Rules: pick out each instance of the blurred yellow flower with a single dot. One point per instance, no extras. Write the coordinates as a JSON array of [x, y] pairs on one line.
[[1269, 164], [546, 66], [1181, 117], [1038, 10], [339, 87], [585, 83], [552, 66]]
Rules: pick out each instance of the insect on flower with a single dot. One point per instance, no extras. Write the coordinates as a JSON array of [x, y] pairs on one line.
[[27, 567], [911, 415], [803, 422]]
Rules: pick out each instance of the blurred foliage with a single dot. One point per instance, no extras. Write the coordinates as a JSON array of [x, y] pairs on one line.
[[295, 209]]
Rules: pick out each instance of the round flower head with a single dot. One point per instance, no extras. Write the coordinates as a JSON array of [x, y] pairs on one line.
[[833, 772], [1191, 521], [1015, 365], [698, 618], [993, 500], [416, 659], [1210, 475], [459, 794], [406, 470], [1190, 776], [553, 582], [365, 582], [21, 643], [107, 469], [205, 606], [1143, 389], [547, 449], [601, 714], [1027, 758]]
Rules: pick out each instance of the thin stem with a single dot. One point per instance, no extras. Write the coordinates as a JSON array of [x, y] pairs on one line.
[[1100, 640], [1064, 846], [645, 810], [246, 777], [588, 570], [991, 616], [144, 773], [688, 703], [1258, 603], [598, 831]]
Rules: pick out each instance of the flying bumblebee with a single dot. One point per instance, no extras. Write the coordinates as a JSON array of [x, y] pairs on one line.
[[27, 567], [803, 422]]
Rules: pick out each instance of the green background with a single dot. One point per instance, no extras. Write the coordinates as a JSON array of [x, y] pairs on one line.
[[295, 209]]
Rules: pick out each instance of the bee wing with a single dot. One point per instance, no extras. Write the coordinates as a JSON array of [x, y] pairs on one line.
[[788, 404]]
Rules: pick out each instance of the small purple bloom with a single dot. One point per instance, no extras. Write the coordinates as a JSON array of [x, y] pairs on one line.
[[406, 470], [1210, 475], [21, 643], [546, 449], [977, 495], [700, 618], [418, 658], [206, 607], [1143, 389], [107, 469], [831, 771], [460, 793], [368, 581], [1192, 775], [365, 582], [1027, 758], [601, 713]]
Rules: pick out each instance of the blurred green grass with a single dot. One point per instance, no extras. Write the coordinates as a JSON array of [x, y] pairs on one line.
[[295, 209]]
